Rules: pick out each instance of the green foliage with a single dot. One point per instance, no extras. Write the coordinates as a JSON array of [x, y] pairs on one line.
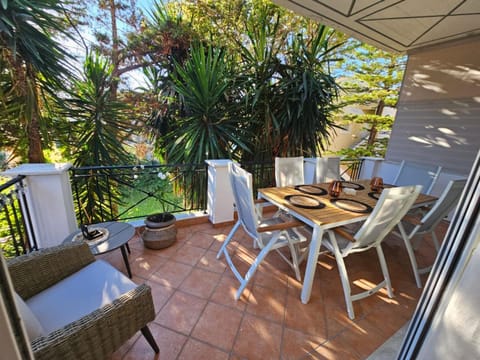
[[307, 95], [378, 149], [149, 192], [9, 218], [289, 92], [207, 126], [33, 66], [98, 120], [373, 79], [259, 90], [98, 123]]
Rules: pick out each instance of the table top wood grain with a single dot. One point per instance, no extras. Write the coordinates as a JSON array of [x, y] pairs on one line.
[[330, 213]]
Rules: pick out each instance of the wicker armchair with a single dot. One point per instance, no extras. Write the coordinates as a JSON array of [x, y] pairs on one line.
[[93, 336]]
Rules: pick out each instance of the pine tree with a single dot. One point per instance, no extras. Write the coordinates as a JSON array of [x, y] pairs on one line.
[[373, 82]]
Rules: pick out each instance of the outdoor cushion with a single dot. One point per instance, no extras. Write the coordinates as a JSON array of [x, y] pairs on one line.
[[94, 286], [30, 321]]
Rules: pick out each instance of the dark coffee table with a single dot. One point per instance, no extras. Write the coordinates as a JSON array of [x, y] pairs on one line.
[[118, 235]]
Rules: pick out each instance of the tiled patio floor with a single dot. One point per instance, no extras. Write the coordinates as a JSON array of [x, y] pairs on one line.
[[198, 318]]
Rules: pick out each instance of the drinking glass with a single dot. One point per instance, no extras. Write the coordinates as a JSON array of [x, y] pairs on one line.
[[335, 188], [376, 184]]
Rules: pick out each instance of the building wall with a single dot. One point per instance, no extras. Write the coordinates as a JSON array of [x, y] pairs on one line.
[[438, 115]]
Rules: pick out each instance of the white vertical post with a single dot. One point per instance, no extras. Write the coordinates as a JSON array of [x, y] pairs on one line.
[[309, 165], [49, 199], [220, 196], [370, 167]]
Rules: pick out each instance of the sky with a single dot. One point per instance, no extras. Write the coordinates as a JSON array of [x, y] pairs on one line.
[[135, 78]]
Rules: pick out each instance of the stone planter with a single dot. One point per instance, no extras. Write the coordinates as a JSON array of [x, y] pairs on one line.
[[160, 231]]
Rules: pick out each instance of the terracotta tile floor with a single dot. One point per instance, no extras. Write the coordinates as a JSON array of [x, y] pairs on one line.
[[198, 318]]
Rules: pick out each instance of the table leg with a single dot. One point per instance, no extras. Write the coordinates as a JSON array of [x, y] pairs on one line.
[[125, 259], [313, 251]]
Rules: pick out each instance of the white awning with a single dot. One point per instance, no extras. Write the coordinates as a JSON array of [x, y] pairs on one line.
[[394, 25]]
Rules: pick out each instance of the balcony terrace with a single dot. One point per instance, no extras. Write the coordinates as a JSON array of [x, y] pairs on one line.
[[198, 318]]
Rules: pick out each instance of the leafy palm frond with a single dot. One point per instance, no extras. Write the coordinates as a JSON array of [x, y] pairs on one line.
[[208, 127], [34, 64], [100, 120], [101, 126]]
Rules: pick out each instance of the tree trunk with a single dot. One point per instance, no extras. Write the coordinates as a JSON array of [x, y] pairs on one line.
[[35, 151], [115, 49], [373, 130]]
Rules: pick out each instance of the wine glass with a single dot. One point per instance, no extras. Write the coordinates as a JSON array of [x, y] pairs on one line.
[[376, 184], [335, 188]]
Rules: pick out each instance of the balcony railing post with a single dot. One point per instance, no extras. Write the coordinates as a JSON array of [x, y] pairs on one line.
[[370, 167], [220, 195], [27, 218], [49, 198]]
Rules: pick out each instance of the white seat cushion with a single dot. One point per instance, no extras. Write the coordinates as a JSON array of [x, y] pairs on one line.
[[30, 321], [85, 291]]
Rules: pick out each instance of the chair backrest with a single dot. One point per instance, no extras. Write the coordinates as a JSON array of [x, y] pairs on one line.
[[327, 169], [289, 171], [241, 182], [442, 206], [392, 205], [417, 174]]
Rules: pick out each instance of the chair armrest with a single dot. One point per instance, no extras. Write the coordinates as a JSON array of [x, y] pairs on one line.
[[38, 270], [260, 201], [102, 332], [413, 220], [281, 226], [344, 233]]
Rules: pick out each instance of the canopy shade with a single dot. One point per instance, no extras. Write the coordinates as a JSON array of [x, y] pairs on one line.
[[394, 25]]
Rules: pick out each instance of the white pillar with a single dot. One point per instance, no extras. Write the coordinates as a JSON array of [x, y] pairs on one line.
[[49, 199], [309, 165], [220, 196], [370, 167]]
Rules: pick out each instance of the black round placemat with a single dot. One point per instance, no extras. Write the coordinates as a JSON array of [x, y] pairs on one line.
[[311, 189], [374, 195], [352, 185], [338, 203], [303, 201]]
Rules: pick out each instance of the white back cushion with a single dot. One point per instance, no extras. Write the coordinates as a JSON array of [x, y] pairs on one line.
[[83, 292], [30, 321]]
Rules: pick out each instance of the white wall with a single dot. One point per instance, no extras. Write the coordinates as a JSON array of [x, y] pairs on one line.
[[438, 115], [456, 331]]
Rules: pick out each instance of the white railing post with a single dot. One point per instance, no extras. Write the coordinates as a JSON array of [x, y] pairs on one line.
[[220, 196], [309, 165], [370, 167], [50, 201]]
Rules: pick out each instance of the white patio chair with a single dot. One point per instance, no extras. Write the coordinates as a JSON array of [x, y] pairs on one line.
[[327, 169], [268, 234], [426, 225], [392, 205], [289, 171], [411, 173]]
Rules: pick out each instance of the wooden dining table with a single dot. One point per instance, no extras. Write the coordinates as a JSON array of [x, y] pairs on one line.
[[315, 207]]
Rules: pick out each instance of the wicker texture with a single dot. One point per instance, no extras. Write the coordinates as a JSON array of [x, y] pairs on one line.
[[99, 334], [38, 270], [95, 336]]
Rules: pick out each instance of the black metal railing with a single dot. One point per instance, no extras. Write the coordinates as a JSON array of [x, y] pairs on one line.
[[105, 193], [350, 169], [263, 174], [16, 231]]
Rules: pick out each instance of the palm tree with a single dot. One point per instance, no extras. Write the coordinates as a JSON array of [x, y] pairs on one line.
[[207, 121], [289, 92], [35, 65], [307, 94], [100, 126]]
